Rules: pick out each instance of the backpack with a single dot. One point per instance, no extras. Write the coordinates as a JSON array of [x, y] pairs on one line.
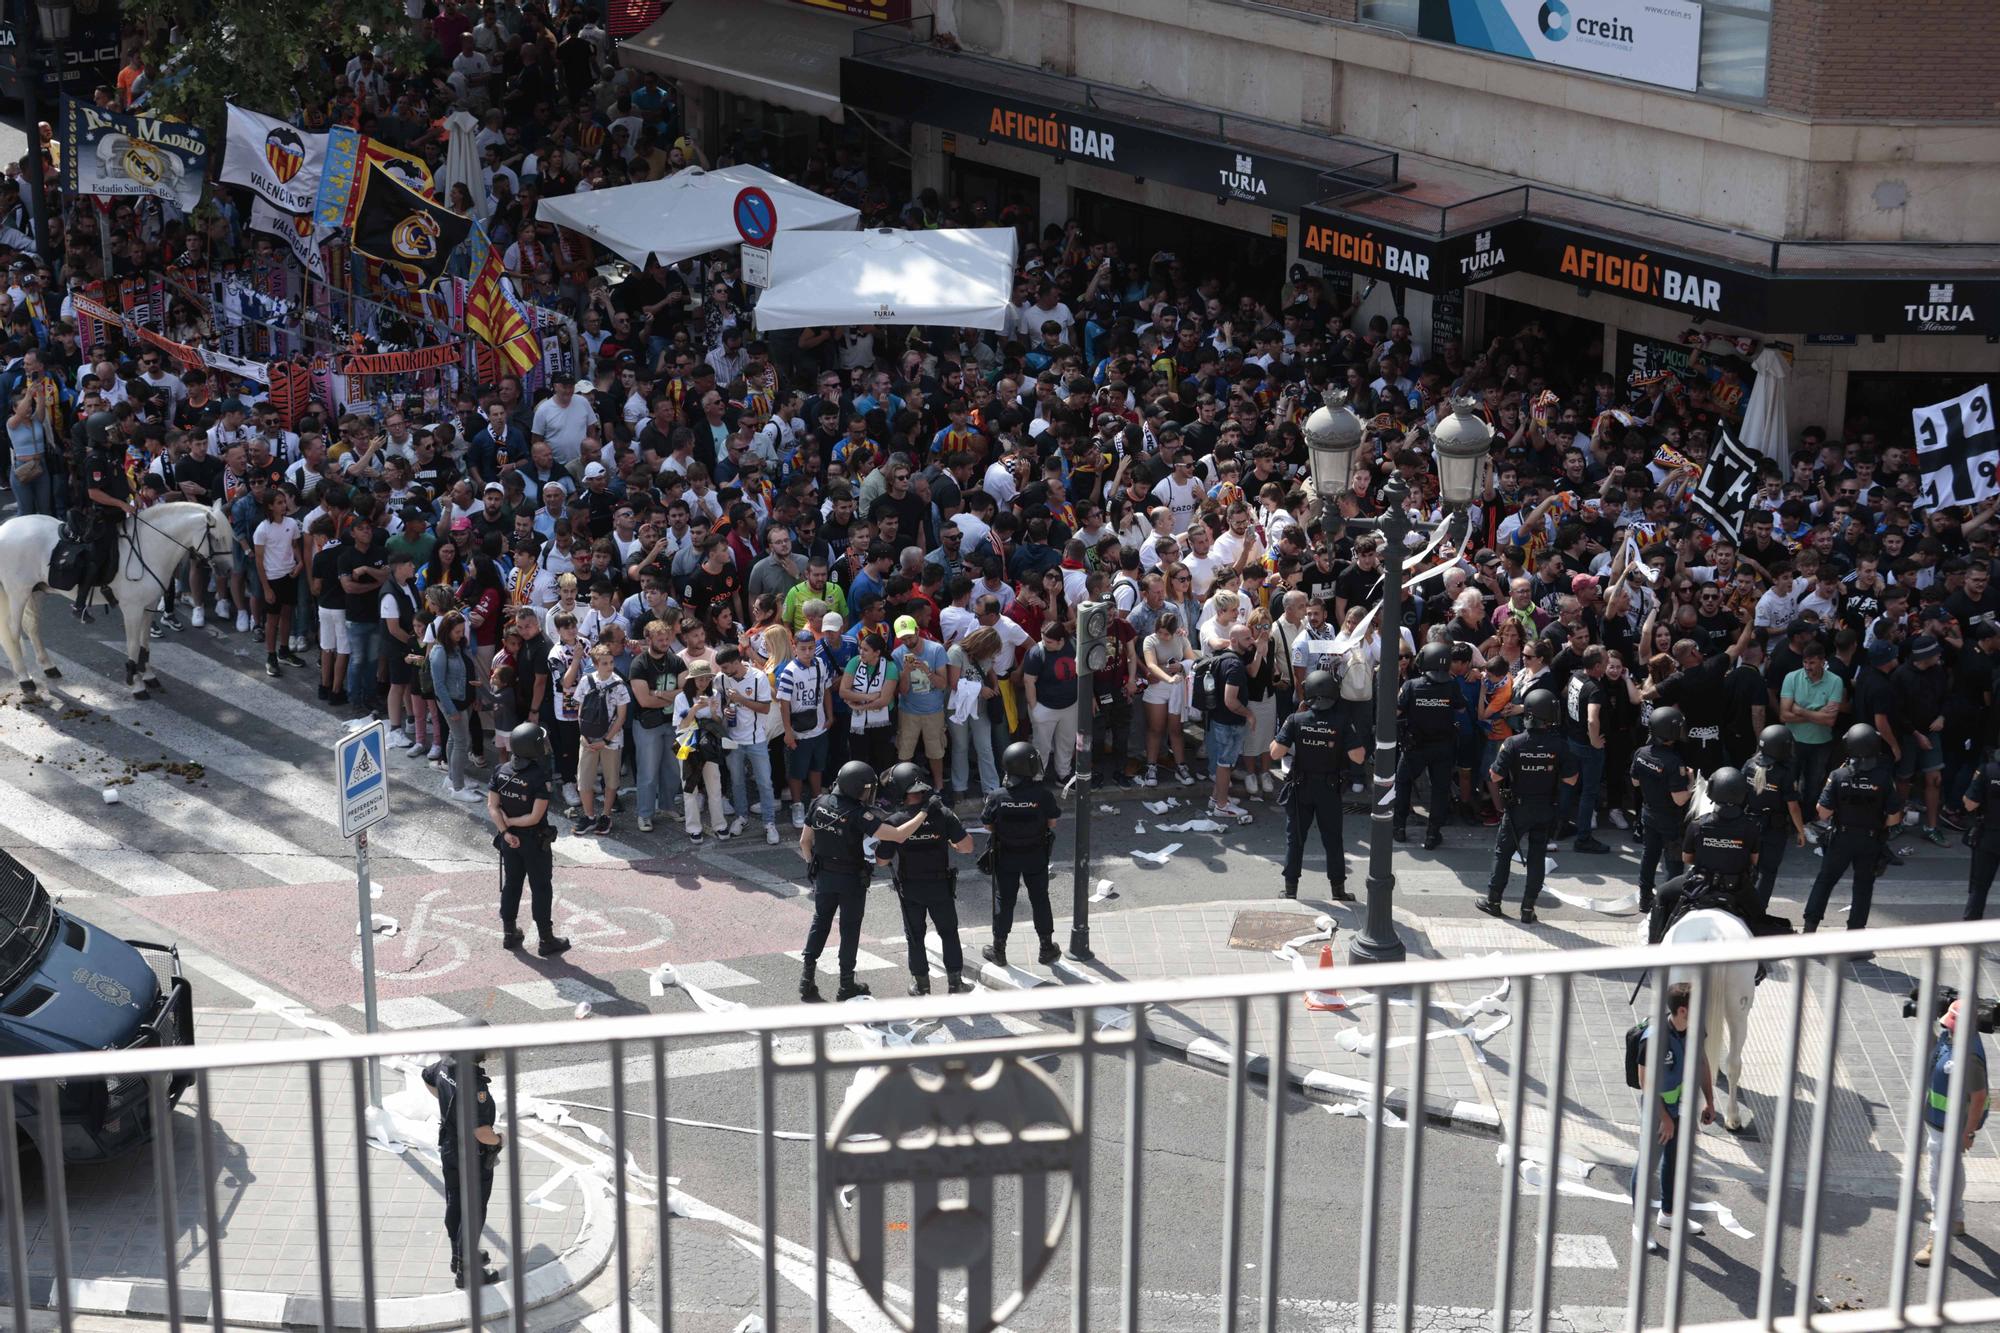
[[593, 713], [1208, 685], [1635, 1055]]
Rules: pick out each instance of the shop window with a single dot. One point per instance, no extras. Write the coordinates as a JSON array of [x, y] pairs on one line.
[[1735, 40]]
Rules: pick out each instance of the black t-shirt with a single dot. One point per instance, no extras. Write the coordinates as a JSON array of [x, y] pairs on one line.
[[363, 608], [1578, 695], [1873, 695], [1744, 689], [1360, 587], [1319, 584], [1966, 610], [205, 472], [1230, 670], [701, 590], [326, 569], [1055, 676]]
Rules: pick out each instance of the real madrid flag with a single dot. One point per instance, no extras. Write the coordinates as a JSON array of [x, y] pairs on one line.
[[107, 153], [398, 226]]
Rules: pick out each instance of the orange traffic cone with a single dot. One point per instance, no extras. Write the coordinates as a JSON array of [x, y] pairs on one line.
[[1325, 1001]]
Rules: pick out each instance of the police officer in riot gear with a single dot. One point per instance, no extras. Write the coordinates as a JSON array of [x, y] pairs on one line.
[[1720, 852], [925, 880], [441, 1077], [1312, 792], [517, 801], [1774, 803], [1021, 817], [1860, 799], [837, 825], [1982, 834], [1662, 777], [103, 504], [1428, 708], [1528, 776]]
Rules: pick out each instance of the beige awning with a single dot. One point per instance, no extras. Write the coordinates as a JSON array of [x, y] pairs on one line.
[[777, 51]]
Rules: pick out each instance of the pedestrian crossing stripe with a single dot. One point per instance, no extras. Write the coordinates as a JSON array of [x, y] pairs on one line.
[[363, 769]]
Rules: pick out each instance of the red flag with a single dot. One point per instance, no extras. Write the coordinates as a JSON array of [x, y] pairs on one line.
[[491, 317]]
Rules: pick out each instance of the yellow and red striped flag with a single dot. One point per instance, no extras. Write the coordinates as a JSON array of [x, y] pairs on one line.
[[491, 317]]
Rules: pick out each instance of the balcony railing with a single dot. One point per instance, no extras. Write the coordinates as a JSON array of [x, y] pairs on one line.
[[969, 1139]]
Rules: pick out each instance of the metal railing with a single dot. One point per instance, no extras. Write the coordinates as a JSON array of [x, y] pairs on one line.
[[949, 1121]]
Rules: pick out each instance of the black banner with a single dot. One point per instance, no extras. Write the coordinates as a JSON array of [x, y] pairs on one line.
[[1219, 169], [1727, 483], [1425, 263]]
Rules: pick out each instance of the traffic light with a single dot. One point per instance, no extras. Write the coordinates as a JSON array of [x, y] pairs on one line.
[[1093, 636]]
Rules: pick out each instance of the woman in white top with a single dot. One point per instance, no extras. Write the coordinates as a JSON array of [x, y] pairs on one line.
[[1218, 618], [698, 726], [603, 757], [277, 543], [1164, 660]]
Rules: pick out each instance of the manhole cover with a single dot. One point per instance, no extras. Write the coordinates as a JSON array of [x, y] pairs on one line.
[[1265, 931]]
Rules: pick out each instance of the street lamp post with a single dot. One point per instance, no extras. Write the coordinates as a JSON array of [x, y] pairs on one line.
[[1333, 434]]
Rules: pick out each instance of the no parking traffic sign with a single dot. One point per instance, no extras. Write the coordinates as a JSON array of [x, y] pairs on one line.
[[755, 215]]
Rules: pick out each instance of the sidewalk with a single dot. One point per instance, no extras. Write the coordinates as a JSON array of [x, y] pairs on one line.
[[1471, 1027], [262, 1155]]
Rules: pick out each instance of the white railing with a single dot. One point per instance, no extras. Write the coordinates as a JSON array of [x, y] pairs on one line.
[[970, 1115]]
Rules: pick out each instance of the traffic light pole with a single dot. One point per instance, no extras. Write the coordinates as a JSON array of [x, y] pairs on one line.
[[1079, 921]]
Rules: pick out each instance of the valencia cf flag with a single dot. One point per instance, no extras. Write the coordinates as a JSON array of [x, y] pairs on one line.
[[400, 227]]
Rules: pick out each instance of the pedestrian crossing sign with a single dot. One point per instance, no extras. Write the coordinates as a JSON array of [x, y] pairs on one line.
[[361, 778]]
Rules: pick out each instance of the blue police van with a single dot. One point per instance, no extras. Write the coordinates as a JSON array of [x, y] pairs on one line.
[[67, 985]]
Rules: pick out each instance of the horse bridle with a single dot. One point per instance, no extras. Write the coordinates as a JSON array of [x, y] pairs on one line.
[[207, 553]]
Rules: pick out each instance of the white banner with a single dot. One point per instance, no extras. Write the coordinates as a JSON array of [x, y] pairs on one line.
[[1958, 449], [1652, 41], [298, 231], [278, 160]]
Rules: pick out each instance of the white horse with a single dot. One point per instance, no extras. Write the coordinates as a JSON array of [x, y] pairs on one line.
[[151, 547], [1730, 996]]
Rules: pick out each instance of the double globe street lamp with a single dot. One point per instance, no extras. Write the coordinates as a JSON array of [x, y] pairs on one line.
[[1460, 442]]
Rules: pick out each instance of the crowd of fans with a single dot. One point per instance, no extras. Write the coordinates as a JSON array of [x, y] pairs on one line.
[[715, 566]]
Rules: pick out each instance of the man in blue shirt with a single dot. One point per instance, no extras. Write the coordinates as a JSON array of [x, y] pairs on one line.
[[923, 688], [1673, 1066], [1937, 1110]]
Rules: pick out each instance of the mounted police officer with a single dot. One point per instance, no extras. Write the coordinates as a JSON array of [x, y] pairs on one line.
[[1428, 708], [1719, 849], [1774, 802], [925, 879], [837, 827], [1982, 834], [1021, 818], [1664, 787], [1312, 792], [1860, 799], [1528, 776], [104, 502], [517, 801], [441, 1077]]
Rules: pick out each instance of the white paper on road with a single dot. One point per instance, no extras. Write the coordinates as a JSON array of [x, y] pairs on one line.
[[385, 925], [1361, 1111], [1323, 929], [1534, 1176], [664, 976], [1191, 826], [1139, 829], [1107, 809], [1625, 905], [540, 1197], [1362, 1043], [1105, 893], [1161, 807], [111, 796], [1158, 858]]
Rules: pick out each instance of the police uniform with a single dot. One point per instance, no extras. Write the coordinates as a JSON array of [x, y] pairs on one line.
[[1983, 833], [520, 783], [1773, 787], [443, 1077], [1018, 818], [1721, 843], [1660, 773], [1316, 743], [103, 471], [1430, 729], [841, 872], [1861, 798], [927, 885], [1532, 768]]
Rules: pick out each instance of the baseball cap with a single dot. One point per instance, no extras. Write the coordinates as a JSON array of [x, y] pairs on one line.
[[905, 625], [1800, 625], [416, 514], [1923, 648], [492, 486], [832, 623], [593, 470], [1881, 653], [1583, 583], [1038, 428]]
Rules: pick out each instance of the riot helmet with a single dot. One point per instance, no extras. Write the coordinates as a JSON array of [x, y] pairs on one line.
[[903, 781], [1322, 691], [1862, 742], [1729, 789], [1775, 743], [528, 741], [854, 780], [1667, 725], [1435, 662], [1542, 710], [1020, 763]]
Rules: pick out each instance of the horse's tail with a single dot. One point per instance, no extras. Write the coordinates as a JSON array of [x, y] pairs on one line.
[[9, 643]]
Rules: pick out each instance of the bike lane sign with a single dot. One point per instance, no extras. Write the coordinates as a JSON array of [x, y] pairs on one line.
[[361, 779]]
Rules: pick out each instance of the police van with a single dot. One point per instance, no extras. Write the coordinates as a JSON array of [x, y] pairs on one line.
[[66, 985]]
